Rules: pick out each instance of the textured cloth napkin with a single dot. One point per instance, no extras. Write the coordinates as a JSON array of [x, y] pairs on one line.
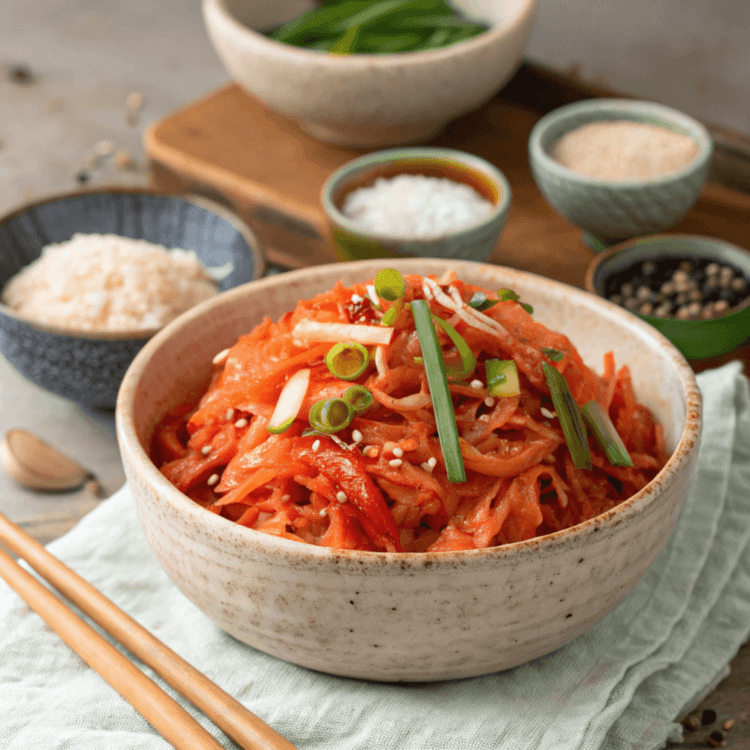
[[621, 685]]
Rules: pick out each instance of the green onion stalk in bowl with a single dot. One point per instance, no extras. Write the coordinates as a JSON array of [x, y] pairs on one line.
[[378, 27]]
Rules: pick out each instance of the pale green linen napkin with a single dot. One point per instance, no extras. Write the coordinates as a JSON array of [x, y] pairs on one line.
[[621, 685]]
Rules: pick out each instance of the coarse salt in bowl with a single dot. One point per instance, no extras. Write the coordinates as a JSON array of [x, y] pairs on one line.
[[426, 202]]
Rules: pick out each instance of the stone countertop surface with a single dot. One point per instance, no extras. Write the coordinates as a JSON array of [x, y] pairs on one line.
[[66, 70]]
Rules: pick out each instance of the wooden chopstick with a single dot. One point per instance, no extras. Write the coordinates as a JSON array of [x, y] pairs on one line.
[[172, 721]]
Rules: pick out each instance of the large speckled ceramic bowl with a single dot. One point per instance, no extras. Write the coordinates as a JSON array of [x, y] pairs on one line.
[[391, 616], [353, 242], [87, 367], [362, 99], [614, 210]]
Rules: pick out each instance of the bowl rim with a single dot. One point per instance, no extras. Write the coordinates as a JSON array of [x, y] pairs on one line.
[[393, 156], [600, 259], [526, 9], [240, 537], [224, 212], [538, 154]]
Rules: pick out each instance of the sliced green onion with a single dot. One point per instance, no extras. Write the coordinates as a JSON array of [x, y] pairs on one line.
[[569, 414], [468, 360], [418, 360], [391, 314], [331, 414], [555, 355], [346, 43], [502, 378], [480, 302], [529, 309], [347, 361], [504, 295], [441, 397], [390, 284], [359, 397], [290, 402], [606, 435]]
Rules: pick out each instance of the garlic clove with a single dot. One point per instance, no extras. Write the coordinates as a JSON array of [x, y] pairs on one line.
[[37, 465]]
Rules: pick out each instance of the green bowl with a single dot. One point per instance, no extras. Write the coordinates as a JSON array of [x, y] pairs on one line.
[[696, 339], [615, 210], [477, 242]]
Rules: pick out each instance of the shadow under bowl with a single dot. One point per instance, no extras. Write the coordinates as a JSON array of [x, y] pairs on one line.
[[87, 367], [696, 339]]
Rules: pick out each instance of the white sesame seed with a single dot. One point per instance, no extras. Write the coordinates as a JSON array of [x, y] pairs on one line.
[[476, 384], [432, 462], [398, 452], [395, 463], [341, 496], [229, 414], [221, 357], [357, 436], [489, 401], [212, 480], [323, 512], [241, 423], [366, 450], [356, 299], [316, 446], [205, 450], [547, 413], [285, 498], [427, 467]]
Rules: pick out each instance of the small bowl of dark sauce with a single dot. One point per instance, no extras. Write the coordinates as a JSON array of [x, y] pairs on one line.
[[695, 290]]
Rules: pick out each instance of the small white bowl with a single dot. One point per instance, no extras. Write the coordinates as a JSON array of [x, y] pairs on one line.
[[405, 616], [362, 99]]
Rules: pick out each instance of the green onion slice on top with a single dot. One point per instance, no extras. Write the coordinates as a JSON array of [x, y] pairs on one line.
[[330, 415], [441, 397], [555, 355], [390, 284], [347, 361], [290, 402], [502, 378], [606, 435], [529, 309], [480, 302], [506, 294], [468, 360], [359, 397], [571, 421]]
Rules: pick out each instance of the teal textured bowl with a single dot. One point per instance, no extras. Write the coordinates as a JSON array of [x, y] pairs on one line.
[[614, 210], [477, 242], [696, 339]]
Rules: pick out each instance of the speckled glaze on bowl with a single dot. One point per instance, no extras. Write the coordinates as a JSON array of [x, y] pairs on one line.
[[696, 339], [368, 100], [405, 617], [352, 242], [88, 367], [618, 209]]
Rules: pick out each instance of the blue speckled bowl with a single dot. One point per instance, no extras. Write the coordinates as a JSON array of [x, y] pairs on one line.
[[614, 210], [89, 367], [477, 242]]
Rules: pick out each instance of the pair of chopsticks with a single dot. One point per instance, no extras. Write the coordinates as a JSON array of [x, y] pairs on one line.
[[175, 724]]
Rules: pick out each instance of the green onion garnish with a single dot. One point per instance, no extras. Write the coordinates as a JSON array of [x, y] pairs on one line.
[[529, 309], [504, 295], [390, 285], [569, 414], [289, 402], [606, 435], [331, 414], [391, 314], [480, 302], [347, 361], [359, 397], [441, 397], [555, 355], [502, 378], [468, 360]]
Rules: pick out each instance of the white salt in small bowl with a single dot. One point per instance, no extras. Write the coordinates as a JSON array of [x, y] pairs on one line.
[[355, 241], [614, 210]]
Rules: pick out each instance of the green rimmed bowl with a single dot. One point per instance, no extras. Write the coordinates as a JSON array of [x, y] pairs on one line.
[[615, 210], [477, 242], [696, 339]]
